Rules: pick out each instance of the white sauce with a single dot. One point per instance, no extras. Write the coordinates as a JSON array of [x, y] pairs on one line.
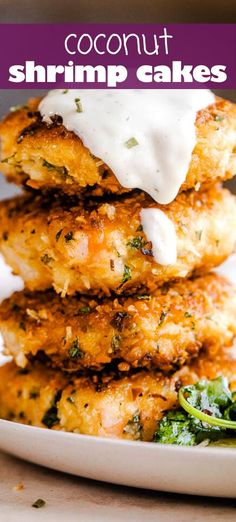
[[160, 230], [161, 121], [160, 124]]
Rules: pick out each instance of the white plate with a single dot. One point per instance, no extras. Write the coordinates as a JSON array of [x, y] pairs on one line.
[[194, 470], [198, 471]]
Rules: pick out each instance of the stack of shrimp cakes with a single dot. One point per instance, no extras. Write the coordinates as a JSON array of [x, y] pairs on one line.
[[102, 337]]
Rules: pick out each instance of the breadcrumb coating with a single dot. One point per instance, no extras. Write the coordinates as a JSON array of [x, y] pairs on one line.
[[50, 157], [163, 331], [98, 247], [106, 405]]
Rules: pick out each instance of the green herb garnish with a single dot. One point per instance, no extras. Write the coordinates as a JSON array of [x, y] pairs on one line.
[[144, 297], [61, 170], [85, 310], [126, 275], [208, 413], [74, 350], [132, 142], [133, 426], [211, 402], [78, 104], [140, 228], [137, 243]]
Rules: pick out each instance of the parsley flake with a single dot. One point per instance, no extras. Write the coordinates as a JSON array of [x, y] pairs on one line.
[[132, 142], [126, 274], [78, 104], [74, 350]]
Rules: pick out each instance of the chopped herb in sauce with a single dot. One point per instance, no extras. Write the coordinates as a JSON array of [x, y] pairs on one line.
[[78, 104], [132, 142]]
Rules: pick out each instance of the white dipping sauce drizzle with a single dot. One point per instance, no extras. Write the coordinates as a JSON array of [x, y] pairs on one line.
[[160, 230], [145, 136]]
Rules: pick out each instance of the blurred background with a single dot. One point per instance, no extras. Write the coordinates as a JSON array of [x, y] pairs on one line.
[[162, 11], [155, 11]]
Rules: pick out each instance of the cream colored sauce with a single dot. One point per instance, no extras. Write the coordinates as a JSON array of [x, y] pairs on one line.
[[161, 121], [160, 230], [146, 137]]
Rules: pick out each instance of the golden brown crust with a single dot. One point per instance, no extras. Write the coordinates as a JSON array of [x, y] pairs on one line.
[[127, 407], [96, 247], [162, 331], [30, 149]]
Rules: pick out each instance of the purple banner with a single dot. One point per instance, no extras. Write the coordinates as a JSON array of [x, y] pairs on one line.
[[117, 56]]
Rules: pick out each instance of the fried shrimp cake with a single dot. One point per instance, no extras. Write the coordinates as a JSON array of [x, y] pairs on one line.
[[106, 405], [97, 248], [48, 156], [161, 331]]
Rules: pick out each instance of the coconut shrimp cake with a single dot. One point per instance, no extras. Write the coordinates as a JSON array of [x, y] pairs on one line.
[[164, 330], [109, 405], [42, 153], [98, 247]]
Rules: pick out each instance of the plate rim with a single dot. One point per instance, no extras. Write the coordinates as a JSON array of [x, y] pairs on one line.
[[213, 451]]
